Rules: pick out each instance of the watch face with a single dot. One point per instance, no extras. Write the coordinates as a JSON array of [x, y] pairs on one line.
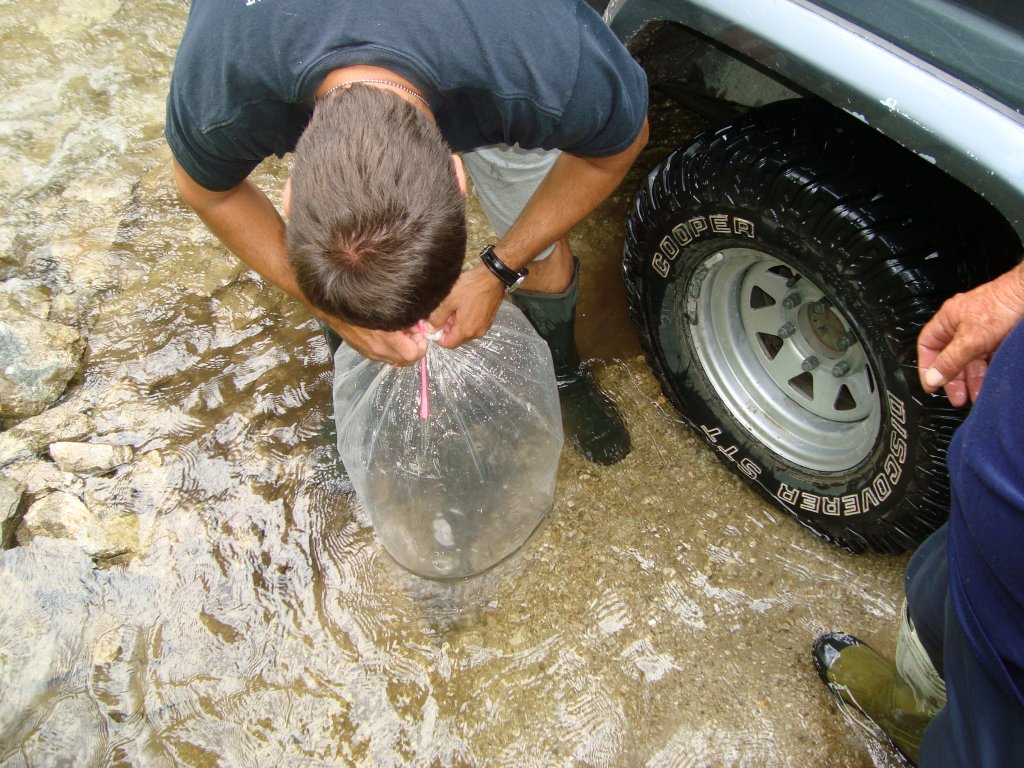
[[512, 287]]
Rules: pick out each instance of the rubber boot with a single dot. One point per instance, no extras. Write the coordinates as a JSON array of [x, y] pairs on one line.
[[329, 429], [333, 339], [589, 417], [915, 666], [871, 684]]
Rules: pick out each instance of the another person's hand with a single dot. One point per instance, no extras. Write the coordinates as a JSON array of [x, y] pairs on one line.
[[397, 348], [468, 311], [954, 347]]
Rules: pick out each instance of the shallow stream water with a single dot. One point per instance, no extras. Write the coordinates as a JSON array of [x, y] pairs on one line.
[[662, 616]]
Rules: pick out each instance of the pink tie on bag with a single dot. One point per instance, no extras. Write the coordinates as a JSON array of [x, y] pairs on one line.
[[424, 396]]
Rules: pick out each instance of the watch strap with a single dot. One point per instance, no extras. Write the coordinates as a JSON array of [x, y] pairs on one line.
[[501, 270]]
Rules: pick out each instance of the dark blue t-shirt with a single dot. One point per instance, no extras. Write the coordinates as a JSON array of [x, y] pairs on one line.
[[539, 73], [986, 522]]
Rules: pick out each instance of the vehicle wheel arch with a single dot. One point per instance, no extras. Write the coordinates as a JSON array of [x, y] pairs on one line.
[[728, 67]]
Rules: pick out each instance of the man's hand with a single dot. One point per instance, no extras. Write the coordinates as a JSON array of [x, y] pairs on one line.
[[397, 348], [470, 307], [954, 348], [573, 188]]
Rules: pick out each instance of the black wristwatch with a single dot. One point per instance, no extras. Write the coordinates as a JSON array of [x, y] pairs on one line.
[[510, 278]]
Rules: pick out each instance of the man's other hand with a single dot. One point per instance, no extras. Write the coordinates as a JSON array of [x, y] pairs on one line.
[[398, 348], [954, 347]]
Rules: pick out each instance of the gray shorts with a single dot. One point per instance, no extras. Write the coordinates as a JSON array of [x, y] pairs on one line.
[[504, 178]]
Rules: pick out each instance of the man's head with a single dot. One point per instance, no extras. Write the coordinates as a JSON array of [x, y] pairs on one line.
[[376, 222]]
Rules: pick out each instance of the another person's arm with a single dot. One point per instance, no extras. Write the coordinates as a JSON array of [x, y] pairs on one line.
[[245, 220], [954, 347], [573, 188]]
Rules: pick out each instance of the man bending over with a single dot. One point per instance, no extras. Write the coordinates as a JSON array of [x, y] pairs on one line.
[[381, 102]]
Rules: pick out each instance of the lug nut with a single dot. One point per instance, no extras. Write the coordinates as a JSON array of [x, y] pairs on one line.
[[846, 341], [821, 306], [791, 301], [809, 364], [786, 331], [840, 369]]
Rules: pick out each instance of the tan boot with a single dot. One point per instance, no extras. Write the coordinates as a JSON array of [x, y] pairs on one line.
[[859, 676]]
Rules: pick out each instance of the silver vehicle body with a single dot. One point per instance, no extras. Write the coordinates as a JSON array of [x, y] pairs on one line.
[[942, 78]]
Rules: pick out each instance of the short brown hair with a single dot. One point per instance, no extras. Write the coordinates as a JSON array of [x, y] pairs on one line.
[[377, 227]]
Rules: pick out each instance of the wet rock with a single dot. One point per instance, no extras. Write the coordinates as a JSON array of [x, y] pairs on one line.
[[58, 515], [24, 296], [88, 271], [73, 728], [10, 500], [63, 515], [40, 359], [68, 309], [155, 485], [7, 258], [108, 192], [31, 436], [77, 18], [42, 477], [89, 458], [77, 274]]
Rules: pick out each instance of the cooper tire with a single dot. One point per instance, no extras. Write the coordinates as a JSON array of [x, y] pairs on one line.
[[779, 270]]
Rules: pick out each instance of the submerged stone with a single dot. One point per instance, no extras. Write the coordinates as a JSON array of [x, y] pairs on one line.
[[89, 458], [63, 515], [10, 500], [31, 436], [39, 358]]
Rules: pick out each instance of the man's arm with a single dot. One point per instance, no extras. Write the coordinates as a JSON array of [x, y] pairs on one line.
[[245, 220], [954, 347], [573, 188]]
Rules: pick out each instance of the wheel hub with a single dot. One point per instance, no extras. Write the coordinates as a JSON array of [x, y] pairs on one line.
[[783, 358]]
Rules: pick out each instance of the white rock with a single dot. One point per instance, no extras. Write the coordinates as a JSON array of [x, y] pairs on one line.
[[74, 18], [7, 234], [91, 270], [89, 458], [31, 436], [22, 295], [39, 360], [65, 516], [59, 515], [42, 477]]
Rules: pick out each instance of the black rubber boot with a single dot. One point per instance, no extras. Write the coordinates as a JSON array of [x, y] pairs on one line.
[[333, 339], [589, 417], [860, 677], [329, 429]]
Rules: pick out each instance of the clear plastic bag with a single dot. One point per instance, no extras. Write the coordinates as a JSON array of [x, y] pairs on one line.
[[454, 491]]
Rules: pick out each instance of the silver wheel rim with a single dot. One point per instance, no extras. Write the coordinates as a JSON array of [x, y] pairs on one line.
[[783, 360]]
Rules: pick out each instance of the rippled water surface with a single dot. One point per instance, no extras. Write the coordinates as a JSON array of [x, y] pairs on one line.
[[662, 616]]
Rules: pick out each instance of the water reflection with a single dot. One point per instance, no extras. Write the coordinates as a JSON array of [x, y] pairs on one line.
[[662, 616]]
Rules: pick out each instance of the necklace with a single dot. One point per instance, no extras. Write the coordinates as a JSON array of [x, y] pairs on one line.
[[379, 81]]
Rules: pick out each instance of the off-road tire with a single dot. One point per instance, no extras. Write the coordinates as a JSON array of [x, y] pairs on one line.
[[779, 270]]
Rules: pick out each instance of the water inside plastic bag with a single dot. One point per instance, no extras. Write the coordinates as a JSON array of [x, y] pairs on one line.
[[457, 492]]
